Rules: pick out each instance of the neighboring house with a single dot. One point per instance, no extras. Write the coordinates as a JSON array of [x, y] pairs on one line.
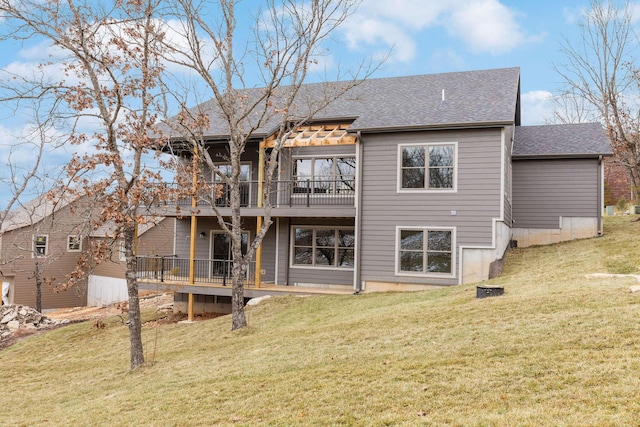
[[107, 283], [617, 183], [55, 232], [402, 184], [52, 231]]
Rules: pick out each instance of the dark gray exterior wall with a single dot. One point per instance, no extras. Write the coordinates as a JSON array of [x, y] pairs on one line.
[[545, 190], [325, 276], [273, 248], [508, 174], [476, 203]]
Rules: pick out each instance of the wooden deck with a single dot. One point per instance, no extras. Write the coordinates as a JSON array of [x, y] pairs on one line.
[[249, 291]]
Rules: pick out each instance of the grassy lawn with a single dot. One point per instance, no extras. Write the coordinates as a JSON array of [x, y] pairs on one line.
[[557, 349]]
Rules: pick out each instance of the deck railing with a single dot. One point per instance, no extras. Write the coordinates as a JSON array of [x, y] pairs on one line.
[[173, 269], [298, 193]]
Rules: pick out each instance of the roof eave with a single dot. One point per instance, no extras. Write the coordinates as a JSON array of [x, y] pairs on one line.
[[438, 126], [560, 156]]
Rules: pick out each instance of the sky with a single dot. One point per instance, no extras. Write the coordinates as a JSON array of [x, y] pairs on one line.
[[422, 36]]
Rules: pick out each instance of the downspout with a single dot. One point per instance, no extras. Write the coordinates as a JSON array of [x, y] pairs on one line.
[[357, 286], [600, 201]]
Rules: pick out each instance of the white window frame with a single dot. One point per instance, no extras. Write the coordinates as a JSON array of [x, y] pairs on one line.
[[425, 229], [217, 179], [79, 242], [46, 245], [122, 255], [292, 254], [426, 189], [314, 157]]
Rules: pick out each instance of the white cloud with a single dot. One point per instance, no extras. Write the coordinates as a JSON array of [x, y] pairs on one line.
[[484, 26], [536, 107], [374, 31]]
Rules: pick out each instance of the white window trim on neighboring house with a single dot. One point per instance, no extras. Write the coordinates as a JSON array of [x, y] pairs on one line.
[[46, 245], [122, 255], [426, 188], [292, 258], [424, 273], [76, 243]]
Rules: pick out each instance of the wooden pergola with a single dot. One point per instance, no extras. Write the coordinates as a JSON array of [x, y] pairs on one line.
[[314, 135]]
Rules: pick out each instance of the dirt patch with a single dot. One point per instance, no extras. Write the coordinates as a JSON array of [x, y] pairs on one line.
[[66, 316]]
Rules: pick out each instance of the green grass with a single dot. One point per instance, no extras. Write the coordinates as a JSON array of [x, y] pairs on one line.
[[557, 349]]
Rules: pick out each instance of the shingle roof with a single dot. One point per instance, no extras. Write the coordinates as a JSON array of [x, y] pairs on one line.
[[35, 210], [470, 98], [578, 139]]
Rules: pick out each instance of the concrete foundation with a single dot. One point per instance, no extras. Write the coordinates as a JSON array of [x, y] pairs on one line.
[[202, 303], [570, 228], [477, 262]]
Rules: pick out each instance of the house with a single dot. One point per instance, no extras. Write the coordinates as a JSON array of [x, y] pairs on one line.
[[51, 231], [55, 231], [107, 283], [405, 183]]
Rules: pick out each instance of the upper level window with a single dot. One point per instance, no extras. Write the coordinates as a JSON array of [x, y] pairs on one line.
[[74, 243], [325, 174], [222, 194], [425, 251], [40, 245], [427, 167], [225, 169]]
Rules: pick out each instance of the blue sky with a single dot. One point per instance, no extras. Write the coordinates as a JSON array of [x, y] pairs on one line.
[[425, 36]]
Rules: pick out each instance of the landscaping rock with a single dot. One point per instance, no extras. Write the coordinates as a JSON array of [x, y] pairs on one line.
[[14, 325], [16, 317], [258, 300]]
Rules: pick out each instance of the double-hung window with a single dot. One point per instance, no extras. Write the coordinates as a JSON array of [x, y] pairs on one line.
[[74, 243], [41, 245], [427, 166], [323, 247], [425, 251]]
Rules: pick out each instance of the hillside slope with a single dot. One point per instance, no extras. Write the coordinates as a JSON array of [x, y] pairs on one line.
[[556, 349]]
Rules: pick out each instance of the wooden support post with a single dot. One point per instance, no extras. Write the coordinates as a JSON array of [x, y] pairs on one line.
[[192, 239], [192, 263], [258, 275]]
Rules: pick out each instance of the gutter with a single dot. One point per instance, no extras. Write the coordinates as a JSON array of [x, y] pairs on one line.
[[438, 126]]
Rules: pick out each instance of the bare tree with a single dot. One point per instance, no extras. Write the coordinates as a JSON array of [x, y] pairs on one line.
[[110, 70], [600, 70], [287, 42]]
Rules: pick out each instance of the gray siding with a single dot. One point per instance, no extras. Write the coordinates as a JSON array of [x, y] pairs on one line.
[[476, 202], [156, 241], [508, 174], [545, 190], [336, 276], [205, 225], [269, 254]]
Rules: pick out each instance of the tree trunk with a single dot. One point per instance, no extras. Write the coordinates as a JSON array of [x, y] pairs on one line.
[[38, 286], [135, 319], [238, 319]]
